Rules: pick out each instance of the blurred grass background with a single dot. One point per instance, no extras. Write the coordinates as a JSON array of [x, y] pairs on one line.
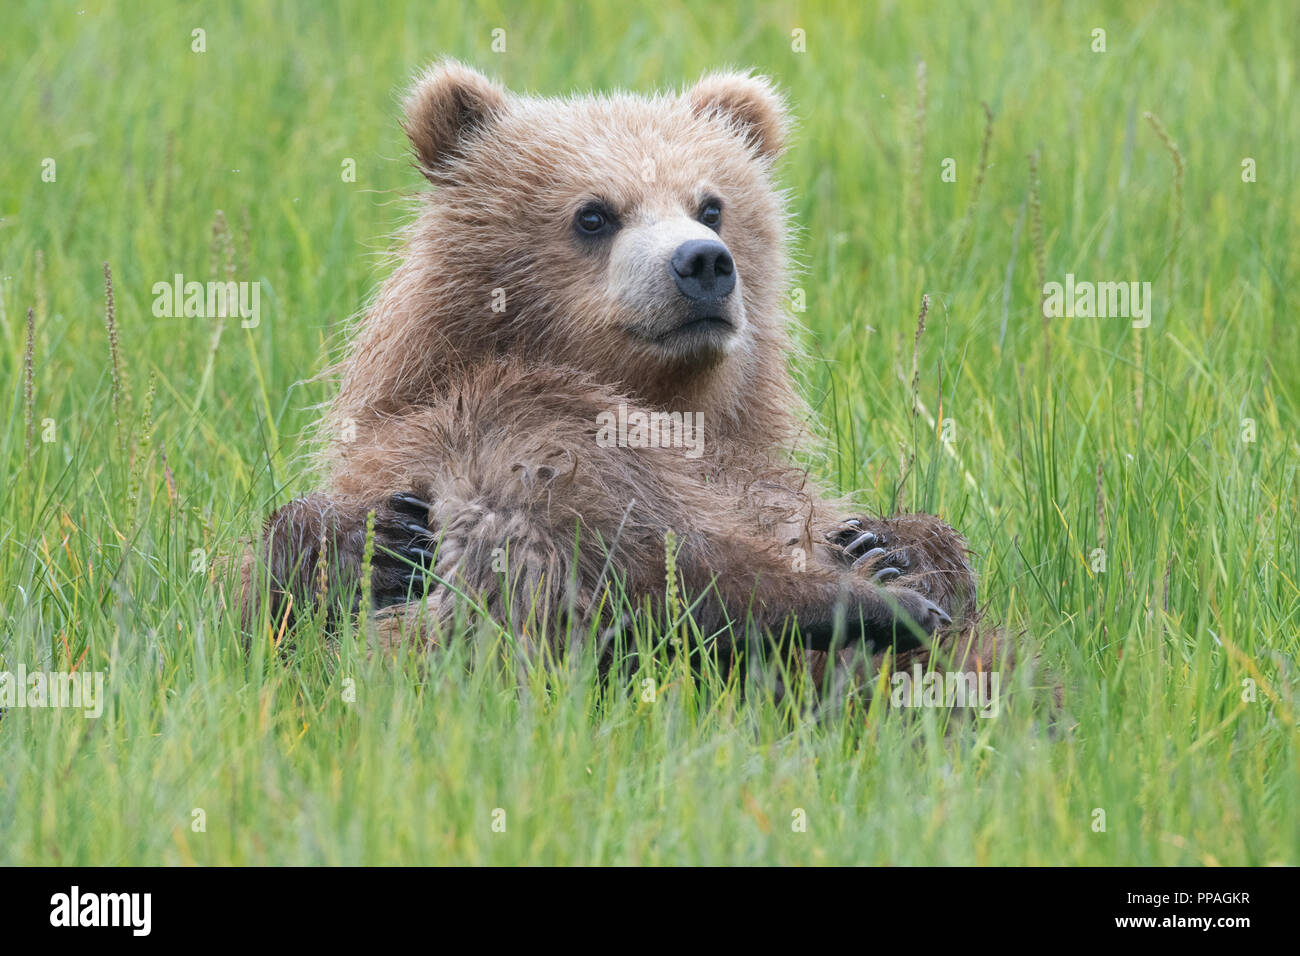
[[1066, 437]]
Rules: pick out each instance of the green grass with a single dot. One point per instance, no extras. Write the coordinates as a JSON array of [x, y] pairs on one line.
[[1064, 433]]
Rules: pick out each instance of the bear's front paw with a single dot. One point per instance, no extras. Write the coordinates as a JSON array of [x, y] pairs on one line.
[[864, 548], [404, 550], [910, 617], [927, 615], [895, 617]]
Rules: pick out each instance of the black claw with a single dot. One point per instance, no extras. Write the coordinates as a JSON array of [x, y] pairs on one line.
[[869, 556], [400, 559], [421, 556], [886, 574], [408, 584], [939, 615], [410, 504], [867, 539]]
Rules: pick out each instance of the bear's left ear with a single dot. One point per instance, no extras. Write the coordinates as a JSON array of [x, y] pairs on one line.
[[750, 104], [447, 105]]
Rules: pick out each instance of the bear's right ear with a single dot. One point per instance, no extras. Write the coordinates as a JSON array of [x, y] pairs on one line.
[[448, 103], [749, 104]]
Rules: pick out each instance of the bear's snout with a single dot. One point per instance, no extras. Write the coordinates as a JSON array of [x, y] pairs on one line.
[[703, 270]]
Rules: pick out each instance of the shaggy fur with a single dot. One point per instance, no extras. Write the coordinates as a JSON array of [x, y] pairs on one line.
[[476, 381]]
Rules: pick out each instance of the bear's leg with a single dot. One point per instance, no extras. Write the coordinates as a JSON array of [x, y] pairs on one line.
[[312, 549], [535, 522], [552, 589], [917, 550], [928, 555]]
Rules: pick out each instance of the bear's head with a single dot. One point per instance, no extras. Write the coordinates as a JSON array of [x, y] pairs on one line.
[[639, 239]]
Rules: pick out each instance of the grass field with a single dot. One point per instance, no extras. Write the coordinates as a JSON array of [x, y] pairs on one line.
[[1170, 451]]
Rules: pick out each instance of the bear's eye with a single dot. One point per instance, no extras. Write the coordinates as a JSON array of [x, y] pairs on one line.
[[711, 213], [594, 219]]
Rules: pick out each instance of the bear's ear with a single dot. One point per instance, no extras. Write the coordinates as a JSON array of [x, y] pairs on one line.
[[448, 102], [750, 104]]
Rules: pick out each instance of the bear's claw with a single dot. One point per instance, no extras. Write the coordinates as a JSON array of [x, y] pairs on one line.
[[869, 548], [869, 556], [402, 559], [410, 504], [868, 539], [937, 614]]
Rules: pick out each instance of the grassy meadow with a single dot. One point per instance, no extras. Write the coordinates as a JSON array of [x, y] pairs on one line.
[[1131, 492]]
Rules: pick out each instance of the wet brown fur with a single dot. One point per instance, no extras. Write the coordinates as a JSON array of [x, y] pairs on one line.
[[491, 417]]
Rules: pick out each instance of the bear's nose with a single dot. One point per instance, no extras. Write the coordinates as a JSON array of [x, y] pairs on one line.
[[703, 270]]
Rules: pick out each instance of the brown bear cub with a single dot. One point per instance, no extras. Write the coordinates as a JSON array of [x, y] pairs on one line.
[[583, 349]]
